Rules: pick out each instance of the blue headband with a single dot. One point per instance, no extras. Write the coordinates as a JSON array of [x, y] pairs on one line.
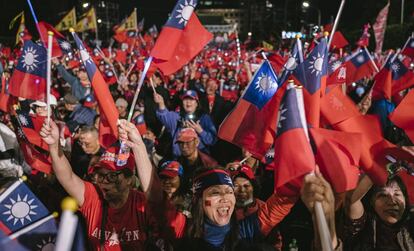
[[211, 178]]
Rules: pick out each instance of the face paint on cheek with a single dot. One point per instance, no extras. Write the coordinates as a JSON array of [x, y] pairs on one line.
[[207, 203]]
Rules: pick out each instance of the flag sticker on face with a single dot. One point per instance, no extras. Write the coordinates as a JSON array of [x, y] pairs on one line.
[[181, 13], [262, 87]]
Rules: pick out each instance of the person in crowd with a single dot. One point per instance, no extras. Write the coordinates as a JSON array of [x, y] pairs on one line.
[[191, 157], [116, 215], [250, 210], [214, 104], [79, 115], [85, 147], [40, 108], [190, 116], [383, 222], [80, 85], [122, 106]]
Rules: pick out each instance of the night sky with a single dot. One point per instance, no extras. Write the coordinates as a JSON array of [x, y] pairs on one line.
[[355, 14]]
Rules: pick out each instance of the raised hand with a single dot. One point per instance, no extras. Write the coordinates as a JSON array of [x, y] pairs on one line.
[[50, 133]]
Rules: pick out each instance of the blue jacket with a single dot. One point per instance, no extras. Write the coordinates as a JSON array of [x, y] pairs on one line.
[[170, 120], [78, 90]]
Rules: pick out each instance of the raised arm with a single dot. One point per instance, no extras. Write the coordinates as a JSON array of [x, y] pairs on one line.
[[73, 185], [146, 173], [354, 207]]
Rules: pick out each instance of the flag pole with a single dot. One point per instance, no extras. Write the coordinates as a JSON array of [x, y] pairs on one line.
[[321, 222], [371, 59], [35, 19], [49, 73], [68, 223], [141, 81], [338, 16]]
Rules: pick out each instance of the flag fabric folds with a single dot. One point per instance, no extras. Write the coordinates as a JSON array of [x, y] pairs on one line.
[[379, 28], [181, 39], [87, 22], [68, 21], [295, 58], [293, 153], [19, 208], [59, 44], [364, 39], [101, 89], [403, 116], [312, 74], [258, 103], [29, 77]]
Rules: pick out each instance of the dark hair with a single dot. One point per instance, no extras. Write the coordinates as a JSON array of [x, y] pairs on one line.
[[253, 182], [195, 224], [375, 189]]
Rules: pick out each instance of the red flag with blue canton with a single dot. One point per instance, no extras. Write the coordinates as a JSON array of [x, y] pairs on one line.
[[19, 208], [59, 44], [100, 87], [356, 67], [408, 50], [403, 117], [293, 153], [242, 127], [402, 77], [29, 77], [181, 39], [312, 74]]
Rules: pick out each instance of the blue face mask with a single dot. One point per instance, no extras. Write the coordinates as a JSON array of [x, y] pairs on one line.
[[149, 145]]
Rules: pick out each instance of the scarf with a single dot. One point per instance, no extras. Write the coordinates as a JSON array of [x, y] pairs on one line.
[[214, 234]]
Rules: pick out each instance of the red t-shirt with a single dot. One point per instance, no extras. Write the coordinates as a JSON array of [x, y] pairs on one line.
[[125, 228]]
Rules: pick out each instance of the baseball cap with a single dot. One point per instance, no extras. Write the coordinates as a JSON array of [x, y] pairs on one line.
[[171, 169], [190, 94], [108, 160], [89, 101], [53, 101], [245, 171], [186, 135], [121, 102]]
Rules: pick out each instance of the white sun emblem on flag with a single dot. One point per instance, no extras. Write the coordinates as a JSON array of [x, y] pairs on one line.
[[336, 103], [30, 59], [196, 186], [335, 65], [316, 64], [23, 120], [280, 116], [395, 67], [265, 83], [65, 45], [360, 59], [228, 180], [20, 209], [47, 245], [291, 64], [412, 44], [185, 12], [85, 56]]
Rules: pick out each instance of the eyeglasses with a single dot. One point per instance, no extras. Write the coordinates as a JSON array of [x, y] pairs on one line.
[[109, 177]]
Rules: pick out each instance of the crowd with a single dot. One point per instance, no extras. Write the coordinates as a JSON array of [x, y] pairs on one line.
[[181, 187]]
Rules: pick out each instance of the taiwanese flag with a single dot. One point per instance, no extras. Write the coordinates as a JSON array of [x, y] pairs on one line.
[[312, 74], [107, 107], [29, 77], [356, 68], [19, 208], [35, 156], [31, 127], [277, 61], [251, 123], [59, 44], [295, 58], [403, 116], [409, 48], [293, 153], [402, 77], [181, 39]]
